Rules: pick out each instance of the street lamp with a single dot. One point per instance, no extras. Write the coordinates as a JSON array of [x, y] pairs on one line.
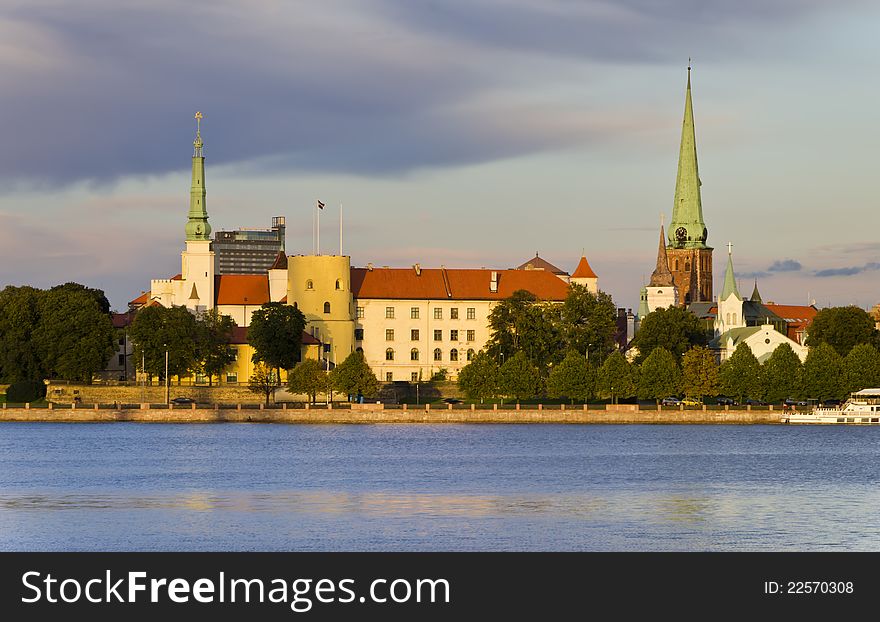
[[167, 383]]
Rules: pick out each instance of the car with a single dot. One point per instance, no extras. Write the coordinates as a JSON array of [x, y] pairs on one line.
[[790, 401], [831, 402], [689, 401], [751, 402], [183, 400], [670, 401], [723, 400], [452, 400]]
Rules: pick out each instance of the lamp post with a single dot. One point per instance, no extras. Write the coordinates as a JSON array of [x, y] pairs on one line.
[[167, 380]]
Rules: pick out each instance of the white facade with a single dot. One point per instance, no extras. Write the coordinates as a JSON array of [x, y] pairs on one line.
[[662, 297]]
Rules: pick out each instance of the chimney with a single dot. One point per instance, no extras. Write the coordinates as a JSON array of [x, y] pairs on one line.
[[418, 269], [493, 283]]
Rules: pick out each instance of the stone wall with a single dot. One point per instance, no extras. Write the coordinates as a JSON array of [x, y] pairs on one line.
[[62, 393]]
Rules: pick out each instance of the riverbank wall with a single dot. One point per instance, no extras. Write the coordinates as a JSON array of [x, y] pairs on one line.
[[377, 415]]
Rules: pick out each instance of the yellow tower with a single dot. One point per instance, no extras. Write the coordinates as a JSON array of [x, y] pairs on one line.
[[320, 286]]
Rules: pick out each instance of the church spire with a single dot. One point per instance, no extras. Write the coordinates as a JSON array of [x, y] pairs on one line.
[[729, 277], [756, 295], [687, 229], [662, 275], [197, 227]]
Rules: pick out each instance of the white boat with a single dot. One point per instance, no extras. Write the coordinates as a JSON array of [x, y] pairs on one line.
[[862, 408]]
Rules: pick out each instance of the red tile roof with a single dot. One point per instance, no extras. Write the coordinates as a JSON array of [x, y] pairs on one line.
[[140, 300], [239, 337], [241, 289], [583, 270], [797, 318], [121, 320], [280, 262], [453, 284]]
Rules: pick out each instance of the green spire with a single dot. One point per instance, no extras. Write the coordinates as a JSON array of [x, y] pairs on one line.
[[756, 295], [687, 229], [197, 227], [729, 277], [643, 303]]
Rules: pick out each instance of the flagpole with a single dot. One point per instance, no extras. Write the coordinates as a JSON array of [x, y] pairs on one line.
[[340, 228], [318, 206], [314, 215]]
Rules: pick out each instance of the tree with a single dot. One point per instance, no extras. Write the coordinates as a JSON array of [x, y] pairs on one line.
[[275, 333], [354, 377], [479, 378], [214, 334], [96, 294], [519, 378], [308, 377], [522, 323], [823, 373], [19, 318], [740, 375], [157, 329], [674, 328], [617, 378], [862, 368], [263, 381], [781, 377], [659, 375], [699, 373], [842, 328], [588, 322], [74, 337], [573, 378]]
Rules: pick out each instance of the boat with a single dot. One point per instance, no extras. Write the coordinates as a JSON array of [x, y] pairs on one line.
[[862, 408]]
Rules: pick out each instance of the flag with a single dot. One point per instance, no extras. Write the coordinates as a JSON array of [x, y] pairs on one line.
[[320, 205]]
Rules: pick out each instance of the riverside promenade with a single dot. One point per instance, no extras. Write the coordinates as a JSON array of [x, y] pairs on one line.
[[380, 413]]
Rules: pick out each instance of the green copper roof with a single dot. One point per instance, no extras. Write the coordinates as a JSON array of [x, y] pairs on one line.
[[687, 229], [197, 227], [643, 303], [756, 295], [729, 280]]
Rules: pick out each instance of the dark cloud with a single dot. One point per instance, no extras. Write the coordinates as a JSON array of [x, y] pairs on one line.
[[870, 266], [785, 265], [755, 275]]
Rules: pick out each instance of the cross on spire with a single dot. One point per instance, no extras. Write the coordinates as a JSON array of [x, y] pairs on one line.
[[730, 248]]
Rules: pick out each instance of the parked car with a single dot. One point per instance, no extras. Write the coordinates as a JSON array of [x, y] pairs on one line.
[[452, 400], [670, 401], [831, 403], [751, 402], [790, 401], [689, 401], [722, 400], [183, 400]]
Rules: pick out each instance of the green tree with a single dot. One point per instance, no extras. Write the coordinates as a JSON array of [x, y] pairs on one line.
[[275, 333], [479, 378], [842, 328], [573, 378], [519, 378], [263, 381], [781, 376], [740, 375], [156, 329], [823, 373], [862, 368], [19, 318], [674, 328], [354, 377], [659, 375], [617, 378], [74, 337], [96, 294], [213, 336], [308, 377], [522, 323], [699, 373], [588, 322]]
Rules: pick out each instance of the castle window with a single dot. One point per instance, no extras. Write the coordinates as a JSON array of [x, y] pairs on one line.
[[359, 334], [338, 284], [414, 334], [389, 334], [414, 354], [438, 354], [232, 377], [438, 335], [309, 284], [360, 313], [326, 307], [453, 354], [471, 335], [470, 354], [389, 377], [389, 313], [414, 377], [453, 335], [453, 314], [414, 313], [438, 313], [389, 354], [471, 313]]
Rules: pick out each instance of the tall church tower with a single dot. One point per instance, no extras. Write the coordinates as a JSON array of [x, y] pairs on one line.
[[197, 261], [661, 291], [689, 257]]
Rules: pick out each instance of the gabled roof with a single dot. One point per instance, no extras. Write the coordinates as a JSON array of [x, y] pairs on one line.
[[241, 289], [794, 313], [121, 320], [583, 270], [280, 262], [140, 300], [737, 335], [539, 263], [453, 284], [704, 310]]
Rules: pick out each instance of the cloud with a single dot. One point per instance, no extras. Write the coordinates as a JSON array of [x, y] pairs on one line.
[[784, 265], [870, 266], [754, 275]]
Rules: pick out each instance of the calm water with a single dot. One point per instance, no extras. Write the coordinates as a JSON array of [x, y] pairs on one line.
[[451, 487]]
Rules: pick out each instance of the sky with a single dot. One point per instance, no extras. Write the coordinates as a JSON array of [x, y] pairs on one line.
[[464, 133]]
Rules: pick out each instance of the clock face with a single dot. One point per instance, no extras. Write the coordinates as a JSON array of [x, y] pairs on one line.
[[681, 234]]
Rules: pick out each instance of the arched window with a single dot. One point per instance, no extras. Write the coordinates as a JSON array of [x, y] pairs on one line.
[[414, 354], [734, 318], [728, 318], [338, 283], [309, 284], [326, 307], [470, 354], [687, 266], [361, 350], [438, 354], [389, 354], [453, 354]]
